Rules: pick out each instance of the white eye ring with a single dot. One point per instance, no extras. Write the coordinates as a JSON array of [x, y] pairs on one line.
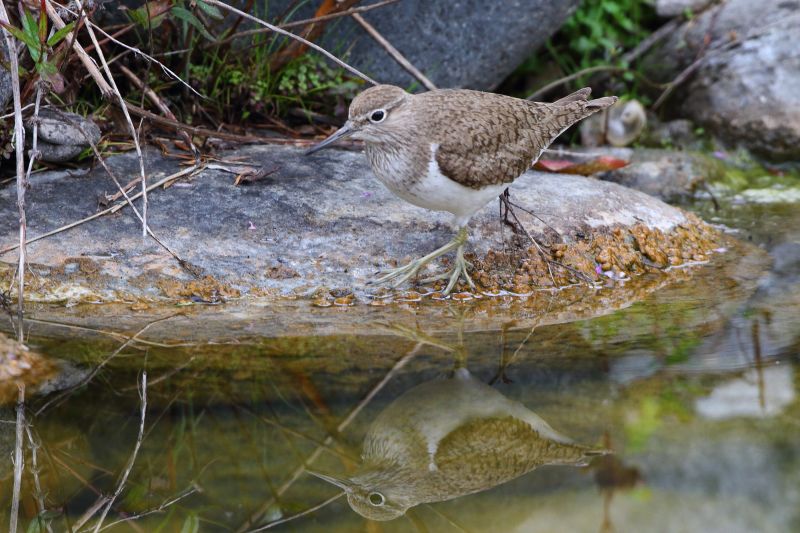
[[381, 114], [376, 499]]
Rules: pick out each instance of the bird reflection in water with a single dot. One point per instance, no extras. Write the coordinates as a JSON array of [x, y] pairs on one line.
[[447, 438]]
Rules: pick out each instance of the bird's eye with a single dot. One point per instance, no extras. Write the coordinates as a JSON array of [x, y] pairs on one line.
[[377, 116], [376, 499]]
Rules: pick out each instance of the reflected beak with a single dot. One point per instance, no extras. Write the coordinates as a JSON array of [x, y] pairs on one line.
[[341, 133], [330, 479]]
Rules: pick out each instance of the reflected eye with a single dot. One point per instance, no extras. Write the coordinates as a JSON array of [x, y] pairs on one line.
[[377, 116], [376, 499]]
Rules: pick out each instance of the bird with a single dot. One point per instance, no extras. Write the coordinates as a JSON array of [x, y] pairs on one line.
[[447, 438], [454, 150]]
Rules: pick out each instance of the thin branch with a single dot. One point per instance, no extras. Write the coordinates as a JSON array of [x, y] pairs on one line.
[[136, 51], [159, 103], [124, 478], [276, 29], [87, 61], [305, 22], [112, 209], [160, 508], [19, 141], [35, 445], [19, 460], [394, 52], [300, 514], [134, 134]]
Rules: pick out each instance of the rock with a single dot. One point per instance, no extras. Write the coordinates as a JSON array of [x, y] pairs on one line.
[[666, 174], [745, 90], [678, 133], [18, 364], [326, 222], [619, 125], [675, 8], [63, 135], [465, 43]]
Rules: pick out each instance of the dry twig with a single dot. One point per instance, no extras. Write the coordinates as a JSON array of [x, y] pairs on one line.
[[19, 460], [276, 29], [394, 52], [132, 459], [19, 141]]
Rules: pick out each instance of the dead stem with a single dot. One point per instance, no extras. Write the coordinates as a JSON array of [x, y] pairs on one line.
[[131, 127], [124, 478], [394, 52], [276, 29], [100, 366], [19, 460], [112, 209], [34, 446], [304, 22], [19, 141], [165, 504]]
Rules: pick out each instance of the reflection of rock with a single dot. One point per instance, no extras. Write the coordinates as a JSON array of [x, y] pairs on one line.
[[745, 93], [62, 135], [327, 219], [18, 364], [448, 438], [760, 392]]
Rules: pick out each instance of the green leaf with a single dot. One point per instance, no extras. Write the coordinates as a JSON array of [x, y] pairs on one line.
[[210, 10], [189, 17], [191, 524], [58, 36], [22, 36]]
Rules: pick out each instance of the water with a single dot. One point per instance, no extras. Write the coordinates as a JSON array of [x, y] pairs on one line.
[[694, 388]]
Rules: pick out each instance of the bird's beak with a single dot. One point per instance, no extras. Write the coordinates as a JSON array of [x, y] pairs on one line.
[[330, 479], [341, 133]]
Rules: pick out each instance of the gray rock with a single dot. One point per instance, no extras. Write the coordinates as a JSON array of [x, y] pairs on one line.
[[678, 133], [464, 43], [745, 93], [666, 174], [63, 135], [314, 221], [674, 8]]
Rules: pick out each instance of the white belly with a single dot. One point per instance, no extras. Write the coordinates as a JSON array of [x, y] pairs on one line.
[[436, 191]]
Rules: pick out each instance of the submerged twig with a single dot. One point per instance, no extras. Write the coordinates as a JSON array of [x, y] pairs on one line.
[[403, 361], [19, 460], [161, 507], [300, 514], [34, 446], [132, 459]]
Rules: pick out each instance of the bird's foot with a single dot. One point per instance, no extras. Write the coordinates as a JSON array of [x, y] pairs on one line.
[[398, 276], [460, 268]]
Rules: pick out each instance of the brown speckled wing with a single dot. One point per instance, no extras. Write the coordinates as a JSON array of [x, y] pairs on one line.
[[492, 139]]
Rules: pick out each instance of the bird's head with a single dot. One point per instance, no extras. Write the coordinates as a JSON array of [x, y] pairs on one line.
[[373, 116], [371, 495]]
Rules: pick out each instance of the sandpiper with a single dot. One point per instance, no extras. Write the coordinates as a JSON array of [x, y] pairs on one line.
[[454, 150], [448, 438]]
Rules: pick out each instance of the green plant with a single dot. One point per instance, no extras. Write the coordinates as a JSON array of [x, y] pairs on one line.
[[34, 34]]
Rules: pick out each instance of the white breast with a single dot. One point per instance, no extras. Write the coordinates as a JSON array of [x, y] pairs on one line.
[[434, 190]]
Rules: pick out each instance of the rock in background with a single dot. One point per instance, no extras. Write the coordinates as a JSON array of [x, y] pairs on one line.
[[745, 90]]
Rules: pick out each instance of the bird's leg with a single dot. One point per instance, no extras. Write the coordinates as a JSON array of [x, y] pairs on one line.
[[400, 275]]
